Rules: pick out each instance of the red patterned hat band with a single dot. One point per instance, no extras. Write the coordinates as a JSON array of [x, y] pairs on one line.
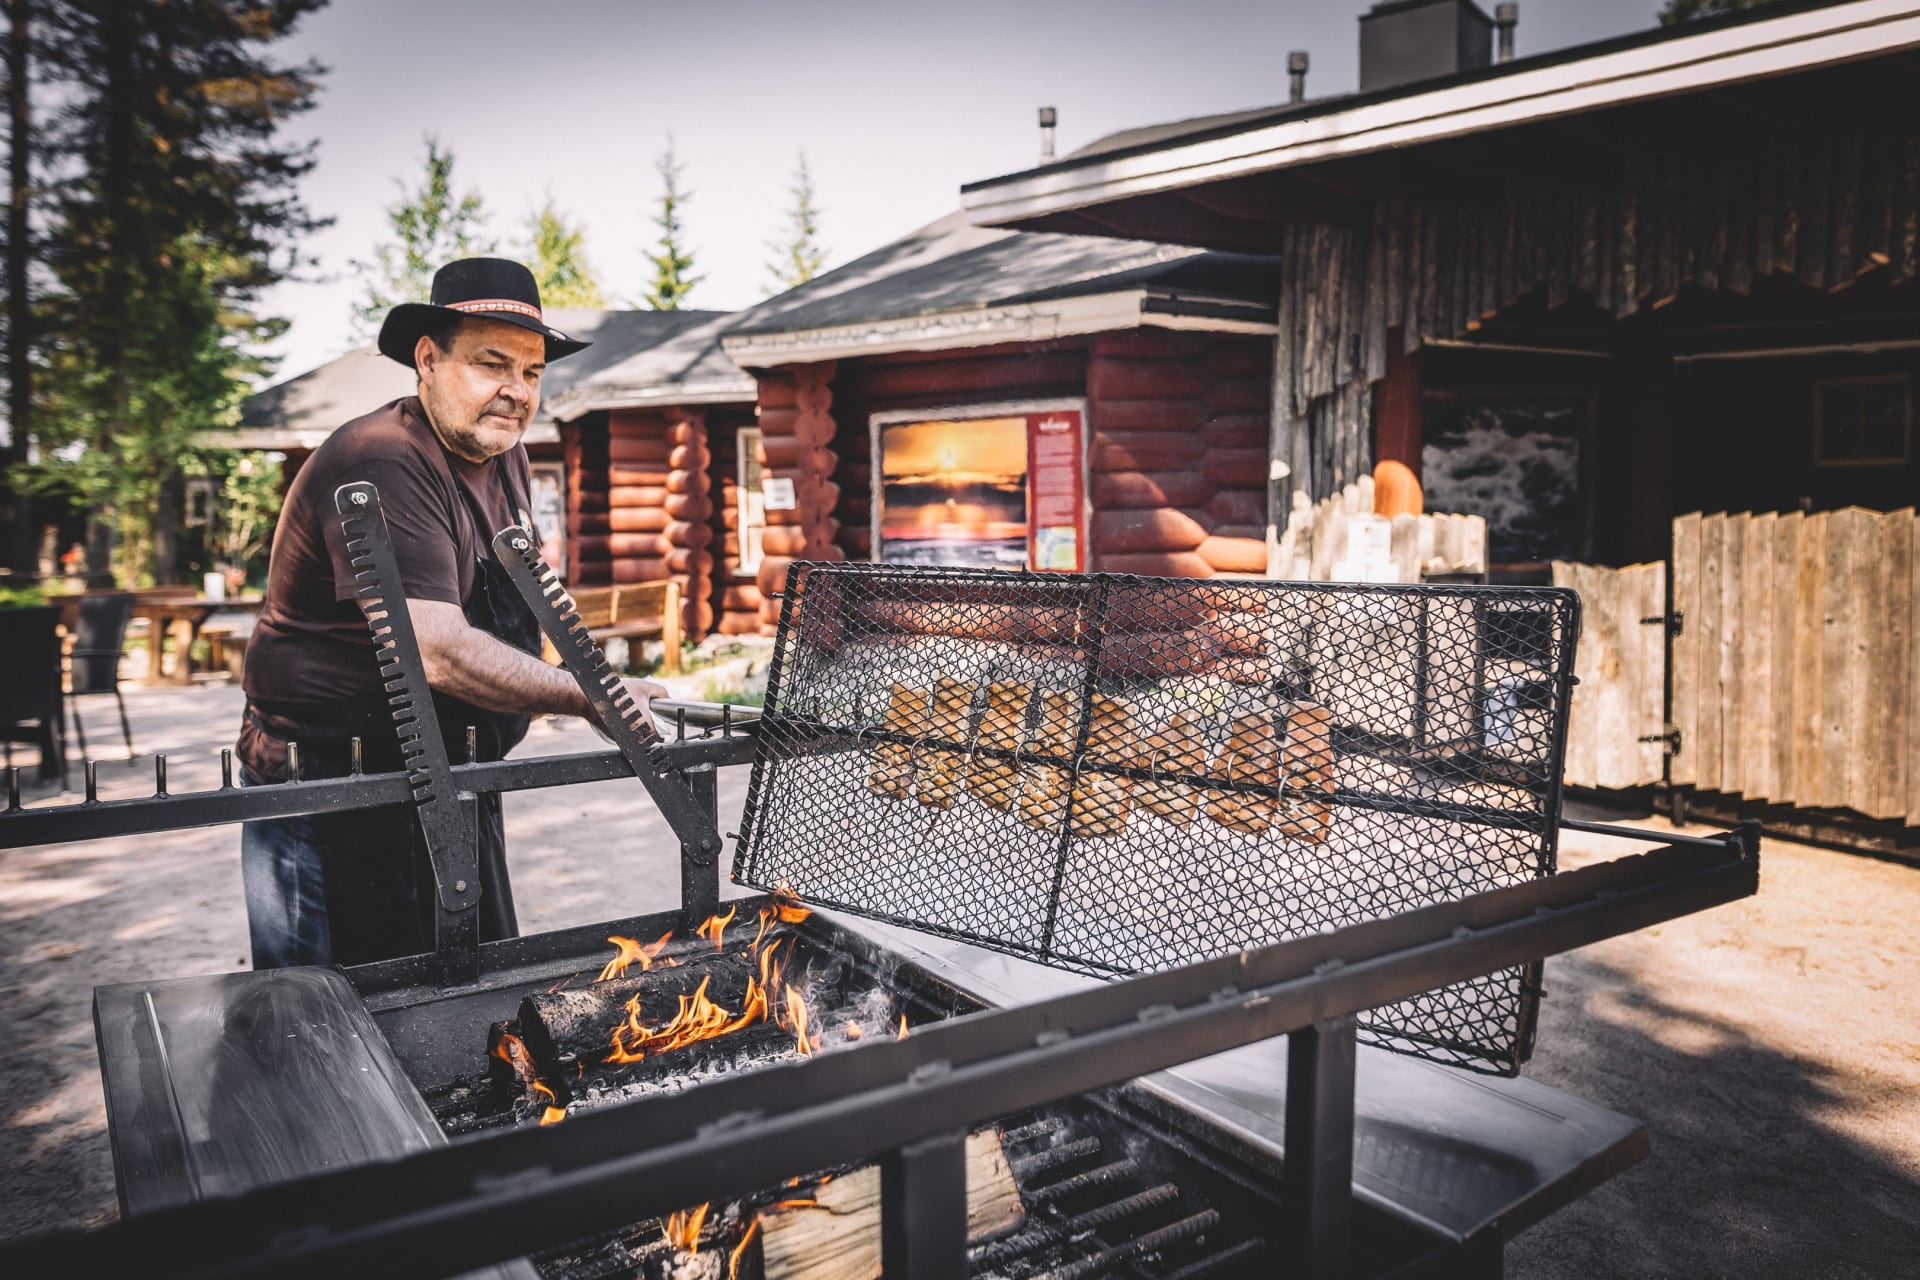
[[497, 304]]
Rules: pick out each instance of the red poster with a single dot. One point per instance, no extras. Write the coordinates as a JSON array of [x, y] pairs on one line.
[[1056, 500]]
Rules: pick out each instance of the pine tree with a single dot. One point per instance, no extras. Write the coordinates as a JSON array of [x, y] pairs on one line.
[[432, 225], [180, 208], [556, 253], [798, 256], [673, 276], [18, 533]]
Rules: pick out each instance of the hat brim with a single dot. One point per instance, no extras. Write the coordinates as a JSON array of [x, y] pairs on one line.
[[400, 333]]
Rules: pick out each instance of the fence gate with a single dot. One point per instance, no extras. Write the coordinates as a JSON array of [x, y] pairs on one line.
[[1616, 734], [1795, 663]]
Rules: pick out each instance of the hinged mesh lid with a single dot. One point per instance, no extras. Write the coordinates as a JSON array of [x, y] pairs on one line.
[[1114, 774]]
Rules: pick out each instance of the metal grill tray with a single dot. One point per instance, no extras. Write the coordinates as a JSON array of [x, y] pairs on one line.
[[1113, 774]]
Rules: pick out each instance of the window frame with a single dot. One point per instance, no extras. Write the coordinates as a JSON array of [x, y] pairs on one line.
[[1820, 386]]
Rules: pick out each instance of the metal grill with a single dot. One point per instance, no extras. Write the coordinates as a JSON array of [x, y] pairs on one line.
[[1116, 774]]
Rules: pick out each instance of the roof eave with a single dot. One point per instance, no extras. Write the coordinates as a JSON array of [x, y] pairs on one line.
[[995, 326], [1751, 51], [578, 402]]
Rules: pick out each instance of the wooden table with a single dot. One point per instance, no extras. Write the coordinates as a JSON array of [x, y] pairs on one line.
[[178, 617]]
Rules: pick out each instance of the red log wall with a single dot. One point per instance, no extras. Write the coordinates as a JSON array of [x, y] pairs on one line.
[[1177, 462], [796, 443], [583, 445]]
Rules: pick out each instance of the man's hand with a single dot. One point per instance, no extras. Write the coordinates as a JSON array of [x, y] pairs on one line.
[[642, 692]]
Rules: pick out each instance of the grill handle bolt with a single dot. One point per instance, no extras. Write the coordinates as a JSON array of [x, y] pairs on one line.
[[353, 757], [521, 544], [160, 775], [226, 768], [459, 886], [359, 498], [13, 788], [93, 782], [473, 745], [293, 752]]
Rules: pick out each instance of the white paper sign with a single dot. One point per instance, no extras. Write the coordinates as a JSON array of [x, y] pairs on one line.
[[778, 491]]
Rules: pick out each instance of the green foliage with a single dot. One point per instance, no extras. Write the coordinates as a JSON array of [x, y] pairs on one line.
[[673, 276], [244, 510], [798, 255], [177, 209], [1676, 12], [556, 253], [22, 597], [432, 225]]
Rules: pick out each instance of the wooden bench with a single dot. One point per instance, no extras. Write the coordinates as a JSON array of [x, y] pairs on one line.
[[641, 611]]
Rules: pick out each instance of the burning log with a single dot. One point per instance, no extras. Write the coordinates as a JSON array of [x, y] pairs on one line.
[[835, 1233], [560, 1027]]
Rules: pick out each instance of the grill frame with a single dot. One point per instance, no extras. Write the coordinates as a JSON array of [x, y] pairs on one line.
[[1422, 800]]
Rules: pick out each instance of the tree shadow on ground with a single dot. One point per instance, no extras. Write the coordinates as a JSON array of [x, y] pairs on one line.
[[1749, 1176]]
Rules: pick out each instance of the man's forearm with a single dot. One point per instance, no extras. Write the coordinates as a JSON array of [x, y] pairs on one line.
[[467, 663]]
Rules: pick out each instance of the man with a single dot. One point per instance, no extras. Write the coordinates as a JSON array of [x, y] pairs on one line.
[[352, 887]]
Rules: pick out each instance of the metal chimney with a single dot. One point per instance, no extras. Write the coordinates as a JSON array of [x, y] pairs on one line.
[[1505, 18], [1407, 41], [1297, 76], [1048, 118]]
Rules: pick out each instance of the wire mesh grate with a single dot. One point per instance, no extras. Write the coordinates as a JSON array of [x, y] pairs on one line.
[[1116, 774]]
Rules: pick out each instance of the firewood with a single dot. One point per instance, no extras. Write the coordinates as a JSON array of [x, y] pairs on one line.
[[561, 1026], [837, 1237]]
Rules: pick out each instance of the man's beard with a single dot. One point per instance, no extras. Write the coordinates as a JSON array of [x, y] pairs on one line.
[[479, 437]]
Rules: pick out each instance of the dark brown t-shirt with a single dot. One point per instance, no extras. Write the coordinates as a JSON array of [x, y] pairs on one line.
[[311, 650]]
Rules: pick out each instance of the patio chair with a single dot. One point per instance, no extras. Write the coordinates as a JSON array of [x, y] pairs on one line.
[[30, 707], [99, 642]]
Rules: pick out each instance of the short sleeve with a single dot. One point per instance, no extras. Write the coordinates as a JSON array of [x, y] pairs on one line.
[[420, 523]]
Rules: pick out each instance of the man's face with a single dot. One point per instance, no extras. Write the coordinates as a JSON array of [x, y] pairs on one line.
[[481, 394]]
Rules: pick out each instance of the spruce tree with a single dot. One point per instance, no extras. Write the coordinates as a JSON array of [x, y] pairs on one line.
[[180, 208], [556, 254], [673, 276], [798, 255], [432, 224]]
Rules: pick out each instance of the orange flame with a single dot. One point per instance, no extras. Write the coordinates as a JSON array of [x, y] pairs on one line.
[[512, 1051], [733, 1259], [682, 1229], [716, 925], [630, 952], [553, 1115], [903, 1028], [853, 1031]]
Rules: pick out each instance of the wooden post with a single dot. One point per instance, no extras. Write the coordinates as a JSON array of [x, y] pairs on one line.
[[1398, 435]]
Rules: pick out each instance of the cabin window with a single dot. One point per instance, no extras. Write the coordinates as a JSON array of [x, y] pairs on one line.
[[1863, 422], [752, 522]]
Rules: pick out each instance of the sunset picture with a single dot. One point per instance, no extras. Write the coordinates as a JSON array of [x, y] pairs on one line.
[[954, 493]]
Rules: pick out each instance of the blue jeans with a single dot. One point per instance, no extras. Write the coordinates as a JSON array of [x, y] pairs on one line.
[[280, 867]]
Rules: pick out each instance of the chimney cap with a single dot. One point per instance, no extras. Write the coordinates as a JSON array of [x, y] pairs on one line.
[[1297, 61], [1049, 117]]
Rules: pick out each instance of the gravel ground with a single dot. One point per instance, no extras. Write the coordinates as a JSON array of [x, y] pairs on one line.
[[1772, 1046]]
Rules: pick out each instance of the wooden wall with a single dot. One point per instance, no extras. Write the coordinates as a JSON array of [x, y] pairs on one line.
[[735, 601], [584, 448], [1177, 458], [1797, 672], [797, 432]]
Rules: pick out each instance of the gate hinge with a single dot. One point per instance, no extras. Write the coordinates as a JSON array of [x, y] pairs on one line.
[[1670, 740], [1674, 622]]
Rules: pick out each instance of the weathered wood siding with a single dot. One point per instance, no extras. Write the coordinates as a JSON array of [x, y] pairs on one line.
[[1794, 676], [1621, 668], [1824, 206]]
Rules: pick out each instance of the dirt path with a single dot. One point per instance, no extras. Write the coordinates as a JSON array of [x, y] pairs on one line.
[[1772, 1047]]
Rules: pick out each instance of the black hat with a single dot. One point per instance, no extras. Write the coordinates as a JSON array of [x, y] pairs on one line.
[[490, 288]]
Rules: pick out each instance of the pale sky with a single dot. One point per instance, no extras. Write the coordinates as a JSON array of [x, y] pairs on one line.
[[895, 102]]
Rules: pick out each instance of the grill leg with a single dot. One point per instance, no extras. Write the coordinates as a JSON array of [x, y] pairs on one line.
[[1317, 1178], [700, 872], [923, 1210]]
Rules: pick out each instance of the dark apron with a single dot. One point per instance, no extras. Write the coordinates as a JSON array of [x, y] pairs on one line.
[[378, 880]]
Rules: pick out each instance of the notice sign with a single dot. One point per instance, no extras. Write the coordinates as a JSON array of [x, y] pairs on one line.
[[1056, 495]]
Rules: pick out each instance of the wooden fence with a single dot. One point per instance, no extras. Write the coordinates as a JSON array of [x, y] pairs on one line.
[[1796, 672], [1621, 665]]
